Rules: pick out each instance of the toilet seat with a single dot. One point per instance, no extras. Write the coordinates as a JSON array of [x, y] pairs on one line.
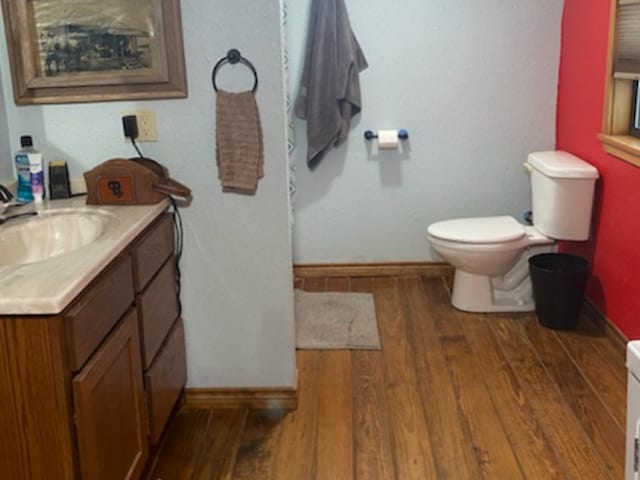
[[479, 230], [490, 256]]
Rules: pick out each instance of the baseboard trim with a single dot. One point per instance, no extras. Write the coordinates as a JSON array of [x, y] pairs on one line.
[[251, 398], [427, 269], [609, 328]]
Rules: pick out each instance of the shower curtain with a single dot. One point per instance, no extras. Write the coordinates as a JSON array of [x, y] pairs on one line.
[[289, 112]]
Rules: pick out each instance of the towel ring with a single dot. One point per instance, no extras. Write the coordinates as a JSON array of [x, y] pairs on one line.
[[233, 57]]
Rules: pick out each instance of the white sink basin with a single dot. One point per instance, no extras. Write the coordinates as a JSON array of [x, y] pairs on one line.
[[50, 234]]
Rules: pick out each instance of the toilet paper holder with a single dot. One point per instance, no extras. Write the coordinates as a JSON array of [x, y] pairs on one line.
[[403, 134]]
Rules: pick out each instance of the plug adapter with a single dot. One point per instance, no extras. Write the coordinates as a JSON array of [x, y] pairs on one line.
[[130, 126]]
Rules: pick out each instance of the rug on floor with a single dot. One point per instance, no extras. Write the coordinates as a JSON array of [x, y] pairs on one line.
[[336, 320]]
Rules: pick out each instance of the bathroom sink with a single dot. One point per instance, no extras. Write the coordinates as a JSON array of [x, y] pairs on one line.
[[50, 234]]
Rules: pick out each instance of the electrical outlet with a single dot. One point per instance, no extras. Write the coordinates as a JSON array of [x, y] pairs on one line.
[[146, 119]]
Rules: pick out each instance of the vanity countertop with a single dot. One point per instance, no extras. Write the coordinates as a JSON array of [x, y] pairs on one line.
[[48, 286]]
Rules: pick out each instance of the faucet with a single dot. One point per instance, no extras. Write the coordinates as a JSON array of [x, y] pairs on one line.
[[5, 202], [5, 195]]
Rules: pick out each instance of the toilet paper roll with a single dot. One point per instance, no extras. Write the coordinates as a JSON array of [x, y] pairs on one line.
[[388, 139]]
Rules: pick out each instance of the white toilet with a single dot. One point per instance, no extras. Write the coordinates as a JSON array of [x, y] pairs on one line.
[[490, 254]]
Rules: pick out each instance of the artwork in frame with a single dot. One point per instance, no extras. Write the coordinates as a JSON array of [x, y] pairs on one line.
[[64, 51]]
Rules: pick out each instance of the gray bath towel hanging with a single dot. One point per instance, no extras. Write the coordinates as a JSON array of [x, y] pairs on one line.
[[329, 94]]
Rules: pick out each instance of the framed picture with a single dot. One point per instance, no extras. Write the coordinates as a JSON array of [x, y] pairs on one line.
[[64, 51]]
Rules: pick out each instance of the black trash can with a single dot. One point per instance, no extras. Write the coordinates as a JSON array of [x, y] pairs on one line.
[[559, 281]]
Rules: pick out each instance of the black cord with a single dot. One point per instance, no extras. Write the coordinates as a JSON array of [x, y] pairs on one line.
[[135, 145], [179, 238]]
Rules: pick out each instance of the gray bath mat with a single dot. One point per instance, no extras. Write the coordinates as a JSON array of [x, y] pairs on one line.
[[336, 320]]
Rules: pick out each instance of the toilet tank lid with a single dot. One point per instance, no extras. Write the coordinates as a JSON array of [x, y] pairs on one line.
[[559, 164], [478, 230]]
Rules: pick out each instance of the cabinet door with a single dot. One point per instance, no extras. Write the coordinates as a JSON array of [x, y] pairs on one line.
[[110, 419]]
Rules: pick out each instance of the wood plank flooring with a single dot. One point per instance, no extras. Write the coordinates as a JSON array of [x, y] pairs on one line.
[[451, 395]]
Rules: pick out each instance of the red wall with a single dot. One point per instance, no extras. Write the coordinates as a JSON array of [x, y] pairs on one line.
[[614, 250]]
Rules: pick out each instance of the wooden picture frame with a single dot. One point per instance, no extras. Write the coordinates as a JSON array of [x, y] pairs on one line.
[[65, 51]]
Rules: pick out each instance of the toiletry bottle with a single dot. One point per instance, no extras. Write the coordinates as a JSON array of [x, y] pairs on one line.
[[36, 170], [22, 169]]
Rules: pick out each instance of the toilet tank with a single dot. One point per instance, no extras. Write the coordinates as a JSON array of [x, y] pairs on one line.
[[562, 188]]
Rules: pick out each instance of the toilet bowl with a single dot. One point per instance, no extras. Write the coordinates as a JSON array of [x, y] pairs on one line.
[[490, 255]]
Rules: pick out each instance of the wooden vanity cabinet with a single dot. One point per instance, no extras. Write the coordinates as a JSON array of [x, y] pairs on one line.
[[83, 394]]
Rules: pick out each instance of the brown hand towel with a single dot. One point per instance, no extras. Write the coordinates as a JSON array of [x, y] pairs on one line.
[[239, 148]]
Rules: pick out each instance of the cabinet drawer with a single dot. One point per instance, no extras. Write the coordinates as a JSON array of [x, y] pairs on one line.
[[165, 380], [100, 308], [158, 306], [150, 252]]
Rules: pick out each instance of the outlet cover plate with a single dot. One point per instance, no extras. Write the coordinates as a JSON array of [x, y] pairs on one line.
[[146, 118]]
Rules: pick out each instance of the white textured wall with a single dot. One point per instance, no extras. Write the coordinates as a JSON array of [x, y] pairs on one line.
[[237, 296], [6, 167], [473, 81]]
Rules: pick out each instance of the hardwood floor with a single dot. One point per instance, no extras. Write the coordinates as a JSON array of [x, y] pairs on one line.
[[451, 395]]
